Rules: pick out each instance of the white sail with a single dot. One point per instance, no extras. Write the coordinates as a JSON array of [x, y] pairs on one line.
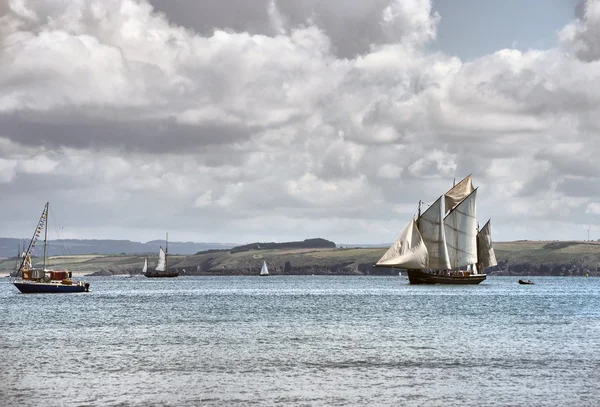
[[161, 260], [431, 226], [408, 251], [461, 232], [264, 271], [458, 192], [486, 255], [145, 268]]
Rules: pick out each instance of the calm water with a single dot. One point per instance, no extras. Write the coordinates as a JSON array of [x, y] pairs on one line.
[[305, 341]]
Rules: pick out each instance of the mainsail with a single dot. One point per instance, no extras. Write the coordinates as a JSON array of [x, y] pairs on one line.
[[485, 252], [461, 232], [161, 260], [408, 251], [431, 226], [145, 268], [458, 192], [264, 271]]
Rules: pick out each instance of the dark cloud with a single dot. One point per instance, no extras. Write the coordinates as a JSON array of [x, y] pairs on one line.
[[78, 130], [352, 25]]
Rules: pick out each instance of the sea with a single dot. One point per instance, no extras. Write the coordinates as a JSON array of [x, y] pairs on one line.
[[302, 341]]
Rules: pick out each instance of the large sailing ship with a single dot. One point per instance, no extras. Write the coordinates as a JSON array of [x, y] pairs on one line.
[[31, 280], [443, 245], [162, 267]]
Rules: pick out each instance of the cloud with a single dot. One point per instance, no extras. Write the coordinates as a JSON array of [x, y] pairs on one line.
[[284, 120], [581, 36]]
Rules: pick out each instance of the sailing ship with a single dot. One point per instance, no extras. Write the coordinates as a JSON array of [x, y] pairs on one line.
[[162, 268], [443, 245], [264, 271], [41, 280]]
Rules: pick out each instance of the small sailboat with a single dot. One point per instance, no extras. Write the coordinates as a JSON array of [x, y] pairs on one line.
[[145, 268], [264, 271], [162, 268], [443, 245], [31, 280]]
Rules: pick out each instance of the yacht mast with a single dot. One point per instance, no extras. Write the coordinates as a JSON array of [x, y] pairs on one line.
[[167, 253], [45, 236]]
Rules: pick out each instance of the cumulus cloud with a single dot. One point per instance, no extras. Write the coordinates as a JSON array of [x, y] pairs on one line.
[[581, 36], [284, 119]]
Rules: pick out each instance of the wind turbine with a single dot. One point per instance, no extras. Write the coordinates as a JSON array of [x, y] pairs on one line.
[[589, 227]]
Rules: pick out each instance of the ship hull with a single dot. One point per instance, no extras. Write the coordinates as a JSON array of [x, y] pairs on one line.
[[420, 277], [160, 274], [50, 288]]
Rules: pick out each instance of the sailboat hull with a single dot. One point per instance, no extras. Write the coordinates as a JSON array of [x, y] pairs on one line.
[[421, 277], [50, 288], [160, 274]]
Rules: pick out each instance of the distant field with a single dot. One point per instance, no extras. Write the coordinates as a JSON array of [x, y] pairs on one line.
[[348, 259], [91, 263]]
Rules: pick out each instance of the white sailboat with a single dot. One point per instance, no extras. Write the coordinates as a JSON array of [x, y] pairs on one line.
[[145, 268], [434, 247], [264, 271]]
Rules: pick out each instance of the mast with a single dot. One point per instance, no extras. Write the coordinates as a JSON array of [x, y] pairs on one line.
[[18, 254], [478, 266], [33, 239], [45, 237], [167, 253]]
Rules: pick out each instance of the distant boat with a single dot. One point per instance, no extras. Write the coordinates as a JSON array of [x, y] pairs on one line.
[[526, 282], [145, 268], [31, 280], [162, 268], [443, 245], [264, 271]]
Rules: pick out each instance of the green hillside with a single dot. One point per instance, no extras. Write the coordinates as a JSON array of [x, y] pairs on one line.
[[519, 258]]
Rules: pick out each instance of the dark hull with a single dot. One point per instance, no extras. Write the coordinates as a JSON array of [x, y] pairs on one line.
[[420, 277], [50, 288], [158, 274], [526, 282]]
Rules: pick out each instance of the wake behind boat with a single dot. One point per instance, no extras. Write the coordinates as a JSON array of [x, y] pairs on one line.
[[444, 247], [31, 280], [162, 268]]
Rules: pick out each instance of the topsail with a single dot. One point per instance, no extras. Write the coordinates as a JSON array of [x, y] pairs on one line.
[[458, 192]]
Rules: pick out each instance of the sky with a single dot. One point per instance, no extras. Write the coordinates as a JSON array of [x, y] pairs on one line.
[[277, 120]]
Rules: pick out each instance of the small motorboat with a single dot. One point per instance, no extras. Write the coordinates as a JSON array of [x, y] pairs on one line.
[[526, 282]]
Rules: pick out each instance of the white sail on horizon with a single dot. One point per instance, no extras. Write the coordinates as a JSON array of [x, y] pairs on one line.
[[461, 232], [431, 227], [145, 268], [264, 271], [486, 255], [161, 260], [408, 251]]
